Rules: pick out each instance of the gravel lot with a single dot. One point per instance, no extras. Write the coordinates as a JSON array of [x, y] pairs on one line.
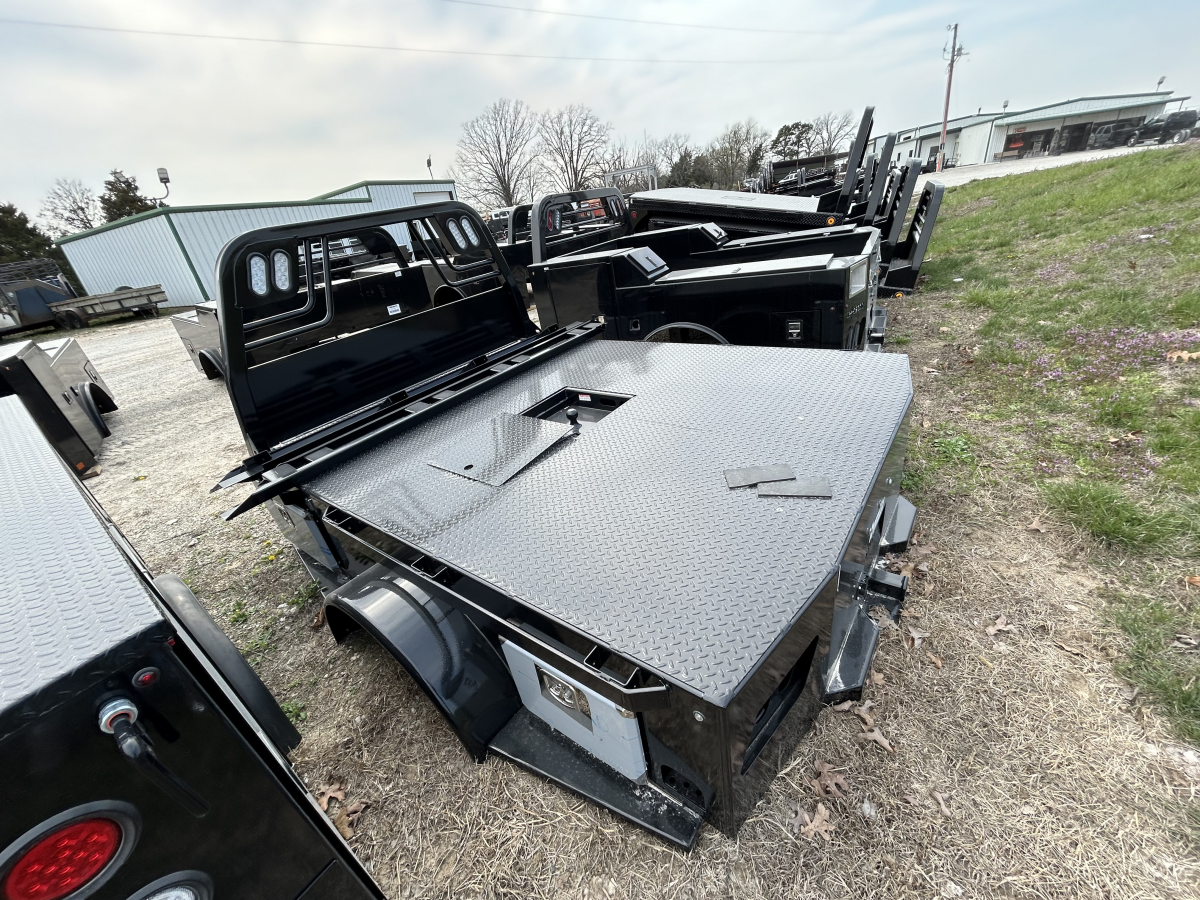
[[1021, 769]]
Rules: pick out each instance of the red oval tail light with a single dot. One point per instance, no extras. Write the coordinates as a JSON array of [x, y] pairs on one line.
[[63, 861]]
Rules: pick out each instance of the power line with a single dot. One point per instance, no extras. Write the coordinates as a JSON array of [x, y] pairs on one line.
[[352, 46], [552, 12]]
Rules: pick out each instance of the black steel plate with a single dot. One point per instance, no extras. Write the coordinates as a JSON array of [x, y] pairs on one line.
[[627, 531], [496, 449], [749, 475], [799, 487]]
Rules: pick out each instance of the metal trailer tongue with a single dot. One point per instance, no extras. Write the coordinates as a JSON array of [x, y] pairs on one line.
[[541, 525]]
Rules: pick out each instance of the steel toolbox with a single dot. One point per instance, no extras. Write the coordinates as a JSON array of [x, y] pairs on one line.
[[63, 392], [801, 289], [543, 527], [144, 756], [201, 337]]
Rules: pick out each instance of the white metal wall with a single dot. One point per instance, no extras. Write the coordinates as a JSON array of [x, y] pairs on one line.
[[137, 255], [145, 252]]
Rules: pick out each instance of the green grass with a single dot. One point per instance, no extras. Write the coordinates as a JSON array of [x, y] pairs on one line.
[[239, 614], [1079, 311], [1166, 673], [294, 710]]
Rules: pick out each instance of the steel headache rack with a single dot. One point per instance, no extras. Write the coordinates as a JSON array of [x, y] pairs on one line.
[[635, 568]]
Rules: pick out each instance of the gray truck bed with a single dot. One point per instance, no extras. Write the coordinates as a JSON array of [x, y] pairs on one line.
[[628, 531]]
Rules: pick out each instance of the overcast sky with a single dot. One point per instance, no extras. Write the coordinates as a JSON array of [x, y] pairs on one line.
[[242, 121]]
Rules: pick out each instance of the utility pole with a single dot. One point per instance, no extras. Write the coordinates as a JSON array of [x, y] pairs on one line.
[[955, 53]]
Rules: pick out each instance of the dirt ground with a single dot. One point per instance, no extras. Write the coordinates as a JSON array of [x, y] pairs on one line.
[[1022, 767]]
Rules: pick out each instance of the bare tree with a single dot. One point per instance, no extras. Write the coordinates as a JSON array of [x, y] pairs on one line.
[[496, 155], [661, 153], [738, 152], [70, 207], [572, 145], [831, 133]]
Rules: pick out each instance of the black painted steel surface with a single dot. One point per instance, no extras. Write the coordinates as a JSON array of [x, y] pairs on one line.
[[628, 531], [69, 598]]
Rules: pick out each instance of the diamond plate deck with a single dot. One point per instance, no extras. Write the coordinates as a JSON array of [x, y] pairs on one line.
[[67, 595], [628, 531]]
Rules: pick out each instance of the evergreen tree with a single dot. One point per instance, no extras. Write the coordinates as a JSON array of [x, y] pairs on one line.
[[121, 197]]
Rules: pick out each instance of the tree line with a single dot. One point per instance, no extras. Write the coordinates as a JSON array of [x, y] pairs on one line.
[[510, 153], [70, 206]]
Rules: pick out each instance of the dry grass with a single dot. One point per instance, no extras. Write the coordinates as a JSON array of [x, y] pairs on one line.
[[1055, 783]]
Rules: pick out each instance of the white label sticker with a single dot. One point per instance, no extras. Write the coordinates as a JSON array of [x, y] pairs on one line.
[[585, 398], [394, 309]]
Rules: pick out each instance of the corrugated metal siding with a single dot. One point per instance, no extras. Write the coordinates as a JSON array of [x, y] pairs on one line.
[[972, 144], [139, 254], [145, 252], [1089, 105]]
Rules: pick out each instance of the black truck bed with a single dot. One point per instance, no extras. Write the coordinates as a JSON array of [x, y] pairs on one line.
[[628, 532]]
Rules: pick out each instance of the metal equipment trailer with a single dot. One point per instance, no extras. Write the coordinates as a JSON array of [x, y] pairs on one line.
[[36, 294], [63, 392], [145, 759], [633, 568]]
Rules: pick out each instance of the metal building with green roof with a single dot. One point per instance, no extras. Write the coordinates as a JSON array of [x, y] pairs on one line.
[[177, 246]]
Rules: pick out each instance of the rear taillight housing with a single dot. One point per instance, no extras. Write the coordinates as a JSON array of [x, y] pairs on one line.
[[64, 861]]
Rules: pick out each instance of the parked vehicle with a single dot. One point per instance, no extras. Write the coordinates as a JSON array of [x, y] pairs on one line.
[[36, 294], [1175, 127], [146, 760], [484, 499], [1112, 134]]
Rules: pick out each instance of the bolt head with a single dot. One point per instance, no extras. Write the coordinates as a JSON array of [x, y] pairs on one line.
[[697, 715]]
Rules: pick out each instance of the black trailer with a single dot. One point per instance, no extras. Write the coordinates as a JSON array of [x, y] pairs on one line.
[[64, 393], [633, 568], [146, 760]]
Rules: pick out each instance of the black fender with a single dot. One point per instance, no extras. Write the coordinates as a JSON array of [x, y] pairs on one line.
[[221, 652], [446, 654], [211, 363]]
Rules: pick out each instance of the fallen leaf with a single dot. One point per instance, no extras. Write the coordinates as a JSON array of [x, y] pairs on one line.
[[875, 736], [347, 818], [1036, 525], [319, 618], [869, 809], [327, 792], [1172, 356], [876, 678], [864, 713], [828, 782], [925, 423], [1002, 624], [922, 550], [1193, 580], [910, 799], [907, 613], [811, 825], [936, 660], [844, 706], [941, 801], [907, 569], [915, 638], [1132, 264]]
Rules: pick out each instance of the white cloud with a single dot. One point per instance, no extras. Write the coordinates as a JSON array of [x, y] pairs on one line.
[[238, 122]]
